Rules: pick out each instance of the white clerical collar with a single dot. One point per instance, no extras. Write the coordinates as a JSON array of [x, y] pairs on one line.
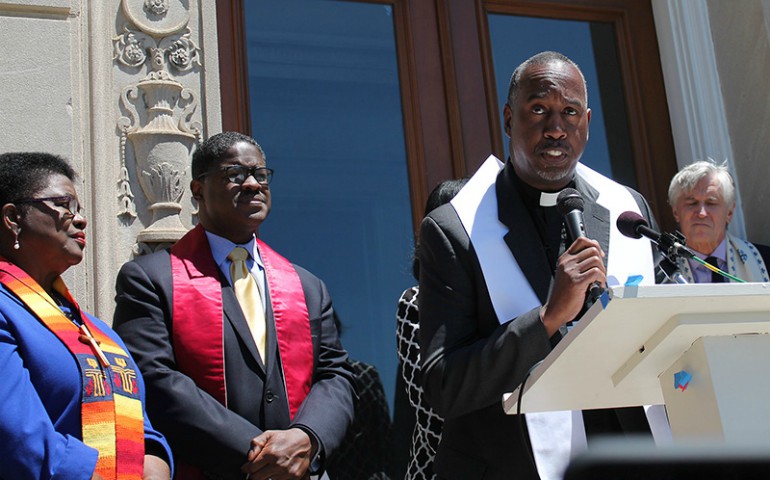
[[548, 199]]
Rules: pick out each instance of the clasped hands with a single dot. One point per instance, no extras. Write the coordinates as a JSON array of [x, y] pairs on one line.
[[280, 455], [578, 267]]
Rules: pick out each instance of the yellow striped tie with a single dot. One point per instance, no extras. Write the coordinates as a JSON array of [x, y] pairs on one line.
[[247, 293]]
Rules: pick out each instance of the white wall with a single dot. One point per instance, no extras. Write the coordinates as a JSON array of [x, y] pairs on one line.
[[64, 90], [42, 85]]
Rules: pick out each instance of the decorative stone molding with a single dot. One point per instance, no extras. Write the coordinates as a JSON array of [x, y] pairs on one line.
[[179, 50], [160, 111], [158, 18]]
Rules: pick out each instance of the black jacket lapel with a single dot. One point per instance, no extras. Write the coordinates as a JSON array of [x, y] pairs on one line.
[[522, 238], [595, 216]]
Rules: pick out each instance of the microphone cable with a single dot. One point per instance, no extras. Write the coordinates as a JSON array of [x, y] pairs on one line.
[[717, 270]]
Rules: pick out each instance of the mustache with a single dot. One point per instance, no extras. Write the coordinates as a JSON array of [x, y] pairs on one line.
[[248, 195], [553, 144]]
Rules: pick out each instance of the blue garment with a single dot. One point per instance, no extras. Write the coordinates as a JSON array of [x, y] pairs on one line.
[[40, 385]]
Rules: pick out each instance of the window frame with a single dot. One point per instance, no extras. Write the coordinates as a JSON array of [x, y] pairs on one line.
[[448, 94]]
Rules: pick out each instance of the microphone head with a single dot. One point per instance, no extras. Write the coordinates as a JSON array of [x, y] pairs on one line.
[[629, 222], [568, 200]]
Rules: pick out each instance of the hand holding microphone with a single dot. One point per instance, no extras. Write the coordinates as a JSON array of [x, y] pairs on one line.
[[570, 205], [580, 269]]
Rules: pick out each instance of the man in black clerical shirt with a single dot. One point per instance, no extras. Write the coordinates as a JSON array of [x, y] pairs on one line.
[[498, 282]]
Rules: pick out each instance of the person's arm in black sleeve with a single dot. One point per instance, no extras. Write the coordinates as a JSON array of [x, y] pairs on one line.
[[463, 370]]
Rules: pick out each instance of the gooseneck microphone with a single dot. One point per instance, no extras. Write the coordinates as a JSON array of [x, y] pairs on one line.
[[671, 245], [633, 225], [570, 205]]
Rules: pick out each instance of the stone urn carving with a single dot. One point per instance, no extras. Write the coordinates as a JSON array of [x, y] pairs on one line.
[[162, 146], [159, 109]]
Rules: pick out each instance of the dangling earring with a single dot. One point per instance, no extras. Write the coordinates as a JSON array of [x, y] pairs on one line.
[[16, 245]]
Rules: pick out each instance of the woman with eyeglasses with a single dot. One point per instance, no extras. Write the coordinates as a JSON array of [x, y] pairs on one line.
[[72, 397]]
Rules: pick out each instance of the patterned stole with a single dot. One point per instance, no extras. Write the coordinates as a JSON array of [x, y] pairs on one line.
[[198, 318], [111, 407], [743, 261]]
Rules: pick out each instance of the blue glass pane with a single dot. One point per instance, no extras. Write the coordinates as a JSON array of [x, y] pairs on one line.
[[515, 39], [326, 108]]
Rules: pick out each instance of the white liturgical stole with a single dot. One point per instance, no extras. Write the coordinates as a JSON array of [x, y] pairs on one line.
[[555, 436]]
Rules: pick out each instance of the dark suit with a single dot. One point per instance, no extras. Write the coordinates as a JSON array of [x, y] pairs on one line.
[[764, 252], [468, 358], [201, 431]]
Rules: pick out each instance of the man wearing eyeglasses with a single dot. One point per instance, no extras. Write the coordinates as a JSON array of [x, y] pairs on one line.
[[244, 368]]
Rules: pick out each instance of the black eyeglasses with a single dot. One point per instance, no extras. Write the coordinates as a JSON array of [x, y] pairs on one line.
[[70, 204], [239, 173]]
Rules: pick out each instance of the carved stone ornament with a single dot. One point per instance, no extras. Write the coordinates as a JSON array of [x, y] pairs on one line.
[[163, 136], [159, 114], [132, 49], [158, 18], [156, 7]]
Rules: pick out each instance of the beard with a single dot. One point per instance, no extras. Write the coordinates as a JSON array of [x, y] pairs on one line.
[[554, 174]]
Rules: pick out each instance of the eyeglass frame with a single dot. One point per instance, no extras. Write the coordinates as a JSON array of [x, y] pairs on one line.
[[250, 172], [72, 201]]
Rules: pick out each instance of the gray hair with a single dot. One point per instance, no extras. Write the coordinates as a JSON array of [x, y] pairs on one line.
[[542, 58], [684, 181]]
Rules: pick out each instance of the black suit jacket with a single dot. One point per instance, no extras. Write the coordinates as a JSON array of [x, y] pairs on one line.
[[764, 252], [468, 358], [200, 430]]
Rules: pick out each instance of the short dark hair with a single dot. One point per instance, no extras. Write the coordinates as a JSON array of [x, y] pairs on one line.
[[23, 174], [443, 193], [541, 58], [210, 152]]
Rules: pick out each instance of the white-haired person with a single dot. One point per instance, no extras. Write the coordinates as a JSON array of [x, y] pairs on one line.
[[702, 197]]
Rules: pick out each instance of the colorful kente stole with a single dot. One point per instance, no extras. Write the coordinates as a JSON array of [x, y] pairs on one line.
[[111, 408], [198, 318]]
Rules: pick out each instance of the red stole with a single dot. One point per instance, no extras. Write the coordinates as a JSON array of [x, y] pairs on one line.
[[198, 318], [112, 416]]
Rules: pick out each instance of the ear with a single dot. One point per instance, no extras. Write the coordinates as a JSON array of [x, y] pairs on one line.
[[507, 116], [730, 214], [676, 215], [588, 118], [10, 217], [196, 187]]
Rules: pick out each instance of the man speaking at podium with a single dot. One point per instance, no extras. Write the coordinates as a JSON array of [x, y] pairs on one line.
[[499, 282]]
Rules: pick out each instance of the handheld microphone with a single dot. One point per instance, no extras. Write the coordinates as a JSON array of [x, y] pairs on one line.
[[570, 205]]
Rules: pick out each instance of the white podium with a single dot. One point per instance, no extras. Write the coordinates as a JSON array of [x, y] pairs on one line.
[[627, 348]]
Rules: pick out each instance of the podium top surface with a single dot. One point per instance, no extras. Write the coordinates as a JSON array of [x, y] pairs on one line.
[[614, 355]]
